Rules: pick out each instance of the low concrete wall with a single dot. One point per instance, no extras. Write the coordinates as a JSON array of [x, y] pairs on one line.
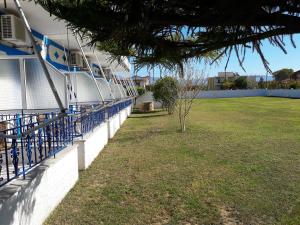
[[232, 93], [113, 125], [30, 201], [285, 93], [123, 116], [129, 109], [91, 145]]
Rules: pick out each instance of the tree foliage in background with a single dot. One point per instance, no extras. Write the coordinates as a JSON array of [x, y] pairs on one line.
[[169, 32], [283, 74], [140, 90], [227, 85], [241, 83], [165, 91]]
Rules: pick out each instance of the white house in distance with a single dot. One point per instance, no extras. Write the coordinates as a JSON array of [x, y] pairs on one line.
[[142, 81], [215, 83], [60, 102]]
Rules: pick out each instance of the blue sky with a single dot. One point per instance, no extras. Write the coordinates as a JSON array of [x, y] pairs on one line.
[[253, 64]]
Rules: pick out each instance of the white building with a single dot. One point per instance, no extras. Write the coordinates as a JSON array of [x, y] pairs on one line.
[[51, 126], [25, 86]]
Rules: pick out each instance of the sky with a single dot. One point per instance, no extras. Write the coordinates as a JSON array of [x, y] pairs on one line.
[[276, 57]]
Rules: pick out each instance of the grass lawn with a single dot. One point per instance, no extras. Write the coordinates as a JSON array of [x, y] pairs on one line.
[[238, 163]]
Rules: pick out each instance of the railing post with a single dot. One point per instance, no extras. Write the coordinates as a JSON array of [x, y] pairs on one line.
[[6, 157]]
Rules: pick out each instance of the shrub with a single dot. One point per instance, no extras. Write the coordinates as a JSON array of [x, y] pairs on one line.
[[294, 85], [165, 90], [241, 83], [227, 85], [140, 90], [149, 88]]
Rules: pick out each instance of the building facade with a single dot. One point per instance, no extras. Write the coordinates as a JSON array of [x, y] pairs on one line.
[[60, 102]]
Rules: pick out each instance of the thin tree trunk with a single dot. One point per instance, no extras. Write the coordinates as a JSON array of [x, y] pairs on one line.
[[182, 123]]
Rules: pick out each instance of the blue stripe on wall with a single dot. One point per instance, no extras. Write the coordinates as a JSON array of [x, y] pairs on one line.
[[95, 65], [37, 34], [12, 51], [48, 42]]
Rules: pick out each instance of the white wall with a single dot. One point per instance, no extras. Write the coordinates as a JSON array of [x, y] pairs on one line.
[[232, 93], [286, 93], [128, 109], [30, 201], [91, 145], [118, 90], [105, 89], [10, 85], [84, 87], [113, 125], [38, 92], [123, 116]]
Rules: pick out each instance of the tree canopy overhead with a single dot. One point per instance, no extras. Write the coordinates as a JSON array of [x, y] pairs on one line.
[[174, 30]]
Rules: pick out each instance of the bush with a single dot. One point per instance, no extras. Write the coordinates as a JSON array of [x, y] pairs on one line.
[[294, 85], [140, 90], [149, 88], [241, 83], [165, 91], [227, 85]]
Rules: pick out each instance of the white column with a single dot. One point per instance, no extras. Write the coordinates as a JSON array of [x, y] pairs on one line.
[[22, 65]]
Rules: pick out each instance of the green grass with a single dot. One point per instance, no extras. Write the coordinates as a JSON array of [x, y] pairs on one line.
[[238, 163]]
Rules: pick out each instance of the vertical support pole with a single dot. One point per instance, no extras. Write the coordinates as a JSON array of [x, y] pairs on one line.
[[40, 58], [66, 91], [132, 84], [89, 67], [123, 83], [128, 87], [102, 72], [121, 86], [118, 83], [131, 87], [118, 87], [128, 84], [134, 87], [23, 83], [115, 81], [66, 78]]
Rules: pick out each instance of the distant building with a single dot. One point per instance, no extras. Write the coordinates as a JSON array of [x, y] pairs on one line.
[[296, 76], [142, 81], [215, 83]]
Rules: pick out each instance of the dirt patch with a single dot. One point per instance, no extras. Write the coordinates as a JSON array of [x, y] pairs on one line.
[[227, 217]]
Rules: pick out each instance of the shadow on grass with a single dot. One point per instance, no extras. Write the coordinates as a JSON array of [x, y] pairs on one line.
[[156, 113], [147, 116], [135, 111]]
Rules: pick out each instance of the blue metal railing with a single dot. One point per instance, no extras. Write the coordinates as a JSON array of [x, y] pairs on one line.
[[28, 143], [91, 120], [28, 139], [114, 109]]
